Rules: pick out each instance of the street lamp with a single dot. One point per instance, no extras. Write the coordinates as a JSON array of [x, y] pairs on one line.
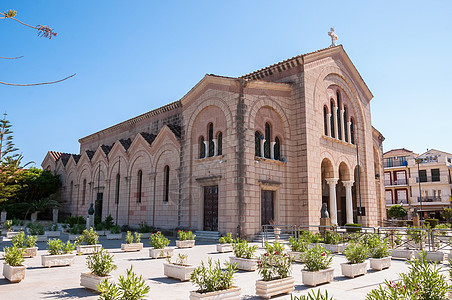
[[418, 161]]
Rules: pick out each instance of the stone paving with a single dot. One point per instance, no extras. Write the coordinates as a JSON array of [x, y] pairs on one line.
[[64, 282]]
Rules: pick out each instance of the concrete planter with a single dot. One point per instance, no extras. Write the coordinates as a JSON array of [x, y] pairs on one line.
[[339, 248], [402, 254], [30, 252], [185, 244], [73, 237], [223, 248], [90, 281], [145, 235], [57, 260], [14, 274], [437, 256], [314, 278], [114, 236], [51, 233], [10, 234], [161, 253], [88, 249], [380, 263], [102, 232], [132, 247], [229, 294], [353, 270], [296, 256], [178, 271], [244, 263], [267, 289], [41, 238]]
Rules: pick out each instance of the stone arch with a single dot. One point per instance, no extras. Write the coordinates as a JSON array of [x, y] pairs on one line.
[[274, 106], [344, 172], [327, 169]]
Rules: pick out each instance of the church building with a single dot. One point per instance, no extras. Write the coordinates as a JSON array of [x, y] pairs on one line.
[[234, 154]]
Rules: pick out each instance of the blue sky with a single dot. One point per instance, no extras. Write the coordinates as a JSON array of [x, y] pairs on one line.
[[134, 56]]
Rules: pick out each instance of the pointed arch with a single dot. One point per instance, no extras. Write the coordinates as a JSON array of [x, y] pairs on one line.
[[332, 125]]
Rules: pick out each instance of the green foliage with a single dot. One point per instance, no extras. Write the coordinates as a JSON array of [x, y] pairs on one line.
[[36, 228], [101, 262], [275, 247], [129, 287], [397, 211], [228, 239], [144, 228], [88, 237], [211, 277], [158, 240], [310, 237], [18, 222], [31, 240], [57, 247], [137, 237], [242, 249], [53, 227], [185, 235], [116, 229], [378, 247], [416, 234], [423, 281], [8, 224], [100, 226], [77, 229], [312, 295], [181, 260], [355, 253], [332, 238], [431, 222], [353, 227], [298, 245], [13, 256], [274, 265], [130, 238], [447, 213], [317, 258], [109, 290], [72, 221], [18, 240], [108, 222]]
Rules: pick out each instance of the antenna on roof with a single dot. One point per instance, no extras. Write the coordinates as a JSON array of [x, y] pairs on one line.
[[333, 36]]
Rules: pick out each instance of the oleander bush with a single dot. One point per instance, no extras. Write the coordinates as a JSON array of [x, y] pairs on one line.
[[185, 235], [211, 277], [36, 228], [242, 249], [228, 239], [116, 229], [332, 238], [57, 247], [18, 240], [378, 246], [317, 258], [144, 228], [13, 256], [298, 245], [30, 241], [158, 240], [129, 287], [131, 239], [274, 265], [356, 253], [275, 247], [88, 237], [312, 295], [101, 262]]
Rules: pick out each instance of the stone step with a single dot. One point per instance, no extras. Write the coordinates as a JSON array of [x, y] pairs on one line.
[[207, 235]]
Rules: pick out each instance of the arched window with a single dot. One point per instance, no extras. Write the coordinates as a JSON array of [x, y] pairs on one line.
[[352, 131], [332, 119], [268, 138], [220, 143], [139, 185], [118, 178], [325, 120], [84, 192], [202, 148], [211, 146], [345, 124], [166, 184], [277, 149], [71, 191], [257, 144], [339, 128]]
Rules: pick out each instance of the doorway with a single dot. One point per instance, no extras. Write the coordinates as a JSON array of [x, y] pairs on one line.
[[211, 208], [98, 205], [267, 207]]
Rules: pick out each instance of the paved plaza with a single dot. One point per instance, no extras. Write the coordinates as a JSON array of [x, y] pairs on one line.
[[64, 282]]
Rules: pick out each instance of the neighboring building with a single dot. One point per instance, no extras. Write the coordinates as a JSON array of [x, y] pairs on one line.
[[237, 153], [402, 180]]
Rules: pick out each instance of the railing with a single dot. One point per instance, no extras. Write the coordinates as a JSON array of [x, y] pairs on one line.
[[396, 182], [395, 164]]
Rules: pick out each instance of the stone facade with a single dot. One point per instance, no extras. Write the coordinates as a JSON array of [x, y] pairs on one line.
[[237, 153]]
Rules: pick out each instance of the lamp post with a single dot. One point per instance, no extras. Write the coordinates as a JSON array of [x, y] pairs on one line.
[[359, 188], [418, 161], [117, 189]]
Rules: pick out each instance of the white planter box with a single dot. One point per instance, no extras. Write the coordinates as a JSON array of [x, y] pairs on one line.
[[177, 271], [401, 253], [314, 278], [41, 238], [88, 249], [296, 256], [161, 253], [132, 247], [57, 260], [102, 232], [73, 237], [185, 244], [114, 236], [334, 248], [30, 252], [10, 234], [52, 233], [14, 274], [353, 270], [437, 256], [380, 263], [244, 263], [229, 294], [145, 235], [90, 281], [222, 248], [267, 289]]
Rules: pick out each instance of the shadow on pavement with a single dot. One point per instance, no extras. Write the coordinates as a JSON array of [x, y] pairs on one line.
[[68, 293], [165, 280]]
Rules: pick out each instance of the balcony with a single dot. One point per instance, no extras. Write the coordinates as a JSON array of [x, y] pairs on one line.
[[394, 164], [428, 179], [429, 199], [397, 182]]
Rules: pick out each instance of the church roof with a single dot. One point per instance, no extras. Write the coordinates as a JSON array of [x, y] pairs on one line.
[[125, 143]]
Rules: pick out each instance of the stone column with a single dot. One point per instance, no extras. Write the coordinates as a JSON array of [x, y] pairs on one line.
[[336, 130], [262, 148], [206, 147], [349, 132], [333, 206], [342, 125], [348, 200], [215, 147], [328, 125], [272, 150]]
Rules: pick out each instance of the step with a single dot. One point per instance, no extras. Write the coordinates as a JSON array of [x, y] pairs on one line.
[[207, 235]]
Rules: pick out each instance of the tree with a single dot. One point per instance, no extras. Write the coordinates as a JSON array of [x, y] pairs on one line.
[[397, 211], [43, 31], [7, 148]]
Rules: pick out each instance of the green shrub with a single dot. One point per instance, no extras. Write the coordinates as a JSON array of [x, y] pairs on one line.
[[355, 253], [212, 277], [115, 229], [312, 295], [353, 227], [31, 240], [77, 229], [18, 240], [100, 226], [226, 239], [57, 247], [108, 222], [298, 245], [144, 228], [36, 228], [397, 211], [13, 256], [310, 237], [185, 235], [378, 247], [72, 221], [416, 234], [274, 265], [130, 287], [158, 240], [242, 249], [130, 238], [332, 238], [317, 258], [101, 262], [53, 227], [431, 222], [88, 237], [8, 224], [275, 247]]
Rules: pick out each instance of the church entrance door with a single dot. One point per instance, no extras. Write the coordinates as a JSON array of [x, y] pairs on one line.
[[267, 207], [211, 208], [98, 206]]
